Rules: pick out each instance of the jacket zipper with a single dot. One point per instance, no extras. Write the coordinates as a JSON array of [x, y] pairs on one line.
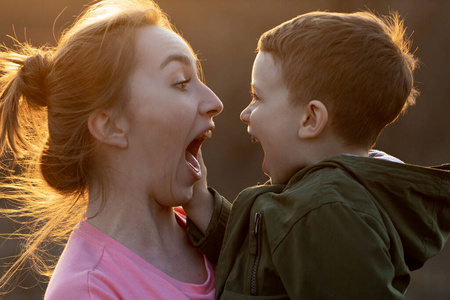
[[258, 217]]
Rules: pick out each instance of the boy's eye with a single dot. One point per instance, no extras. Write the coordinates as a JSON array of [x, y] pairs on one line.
[[182, 85], [255, 97]]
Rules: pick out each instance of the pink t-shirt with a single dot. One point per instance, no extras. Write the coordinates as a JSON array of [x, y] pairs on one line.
[[95, 266]]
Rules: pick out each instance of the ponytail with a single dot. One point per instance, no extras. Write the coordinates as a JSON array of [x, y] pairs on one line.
[[23, 100]]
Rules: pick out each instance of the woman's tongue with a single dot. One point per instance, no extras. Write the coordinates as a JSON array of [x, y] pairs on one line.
[[193, 164]]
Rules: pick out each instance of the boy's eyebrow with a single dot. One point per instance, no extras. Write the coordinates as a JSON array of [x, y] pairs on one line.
[[177, 57]]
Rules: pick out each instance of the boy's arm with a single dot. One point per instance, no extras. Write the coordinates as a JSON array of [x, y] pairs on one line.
[[335, 253], [201, 207], [209, 241], [207, 214]]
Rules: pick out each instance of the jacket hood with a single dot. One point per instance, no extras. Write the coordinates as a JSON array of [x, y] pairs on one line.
[[416, 198]]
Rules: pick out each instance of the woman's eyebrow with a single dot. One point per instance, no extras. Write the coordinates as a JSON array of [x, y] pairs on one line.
[[177, 57]]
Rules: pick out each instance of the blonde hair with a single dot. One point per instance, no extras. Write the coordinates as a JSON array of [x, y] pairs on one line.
[[357, 64], [47, 95]]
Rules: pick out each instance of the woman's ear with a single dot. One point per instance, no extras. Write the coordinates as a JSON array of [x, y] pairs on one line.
[[314, 120], [108, 130]]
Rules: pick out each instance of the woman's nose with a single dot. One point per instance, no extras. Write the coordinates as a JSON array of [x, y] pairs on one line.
[[211, 104]]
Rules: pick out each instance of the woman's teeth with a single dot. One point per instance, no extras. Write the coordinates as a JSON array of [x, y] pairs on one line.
[[207, 134]]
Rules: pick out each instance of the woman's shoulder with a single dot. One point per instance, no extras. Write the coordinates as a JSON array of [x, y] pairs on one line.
[[81, 255], [83, 251], [92, 266]]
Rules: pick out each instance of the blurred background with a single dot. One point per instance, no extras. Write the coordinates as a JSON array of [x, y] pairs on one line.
[[224, 34]]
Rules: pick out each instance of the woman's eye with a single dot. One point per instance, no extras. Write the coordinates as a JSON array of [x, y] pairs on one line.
[[182, 85]]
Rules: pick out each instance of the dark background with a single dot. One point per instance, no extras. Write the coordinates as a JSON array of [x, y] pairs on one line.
[[224, 33]]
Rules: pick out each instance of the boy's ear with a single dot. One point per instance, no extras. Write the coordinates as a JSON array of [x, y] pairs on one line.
[[313, 120], [107, 129]]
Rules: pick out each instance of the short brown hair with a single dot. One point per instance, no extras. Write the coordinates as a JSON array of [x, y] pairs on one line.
[[357, 64]]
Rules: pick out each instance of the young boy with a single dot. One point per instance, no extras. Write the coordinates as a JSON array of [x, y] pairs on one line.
[[334, 222]]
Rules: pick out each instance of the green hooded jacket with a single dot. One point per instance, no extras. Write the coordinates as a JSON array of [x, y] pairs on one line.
[[344, 228]]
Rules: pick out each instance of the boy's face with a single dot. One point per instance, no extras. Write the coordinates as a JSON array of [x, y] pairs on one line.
[[273, 120]]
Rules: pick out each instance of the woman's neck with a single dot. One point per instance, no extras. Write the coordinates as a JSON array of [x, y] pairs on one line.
[[148, 229], [136, 222]]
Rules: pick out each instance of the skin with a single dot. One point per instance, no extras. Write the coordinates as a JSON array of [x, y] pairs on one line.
[[273, 120], [292, 136], [145, 151], [169, 107]]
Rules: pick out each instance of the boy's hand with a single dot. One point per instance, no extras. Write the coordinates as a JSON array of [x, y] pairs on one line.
[[200, 208]]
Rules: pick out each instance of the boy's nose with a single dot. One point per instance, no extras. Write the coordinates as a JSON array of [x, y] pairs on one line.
[[245, 115], [210, 104]]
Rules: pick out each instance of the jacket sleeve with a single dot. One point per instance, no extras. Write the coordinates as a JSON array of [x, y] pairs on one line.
[[210, 243], [335, 252]]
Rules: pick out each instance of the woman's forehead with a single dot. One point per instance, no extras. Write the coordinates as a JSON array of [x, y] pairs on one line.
[[160, 46]]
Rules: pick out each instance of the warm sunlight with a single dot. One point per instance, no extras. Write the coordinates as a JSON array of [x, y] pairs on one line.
[[224, 36]]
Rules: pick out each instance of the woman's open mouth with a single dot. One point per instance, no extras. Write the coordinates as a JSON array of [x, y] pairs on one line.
[[191, 153]]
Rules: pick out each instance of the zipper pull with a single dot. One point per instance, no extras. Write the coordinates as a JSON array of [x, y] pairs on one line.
[[258, 216]]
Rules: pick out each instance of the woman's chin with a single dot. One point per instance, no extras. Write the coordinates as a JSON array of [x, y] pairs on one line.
[[183, 188], [182, 194]]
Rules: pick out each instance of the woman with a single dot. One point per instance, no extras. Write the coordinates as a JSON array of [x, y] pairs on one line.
[[109, 125]]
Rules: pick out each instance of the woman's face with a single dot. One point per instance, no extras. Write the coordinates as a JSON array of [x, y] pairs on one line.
[[170, 113]]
